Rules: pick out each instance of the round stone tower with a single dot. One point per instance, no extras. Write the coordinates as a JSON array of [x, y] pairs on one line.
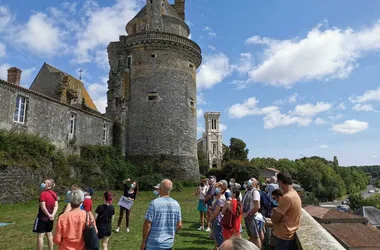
[[152, 89]]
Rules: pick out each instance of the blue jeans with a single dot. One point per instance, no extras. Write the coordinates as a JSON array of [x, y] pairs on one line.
[[285, 244], [217, 232]]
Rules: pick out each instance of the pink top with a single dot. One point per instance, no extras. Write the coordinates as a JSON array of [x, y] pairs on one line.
[[69, 231]]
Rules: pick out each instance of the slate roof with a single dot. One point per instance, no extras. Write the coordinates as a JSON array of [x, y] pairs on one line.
[[355, 235], [371, 213]]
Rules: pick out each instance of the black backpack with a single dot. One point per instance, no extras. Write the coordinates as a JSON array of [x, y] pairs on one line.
[[265, 204], [90, 236]]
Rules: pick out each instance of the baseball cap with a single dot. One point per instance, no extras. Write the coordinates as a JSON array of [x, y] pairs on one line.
[[224, 183], [90, 191], [157, 186]]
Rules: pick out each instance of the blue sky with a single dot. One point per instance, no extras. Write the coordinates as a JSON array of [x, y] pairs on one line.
[[291, 78]]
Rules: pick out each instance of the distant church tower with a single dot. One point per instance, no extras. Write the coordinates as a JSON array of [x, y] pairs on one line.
[[212, 140], [152, 89]]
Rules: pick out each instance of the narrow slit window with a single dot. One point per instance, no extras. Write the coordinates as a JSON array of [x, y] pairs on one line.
[[153, 55], [72, 125], [152, 96], [192, 103], [191, 65], [129, 62], [105, 134]]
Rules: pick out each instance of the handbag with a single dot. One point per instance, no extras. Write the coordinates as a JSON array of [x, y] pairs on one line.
[[90, 236], [227, 220]]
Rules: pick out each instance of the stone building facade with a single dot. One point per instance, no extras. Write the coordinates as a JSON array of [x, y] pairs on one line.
[[152, 89], [64, 123], [211, 143]]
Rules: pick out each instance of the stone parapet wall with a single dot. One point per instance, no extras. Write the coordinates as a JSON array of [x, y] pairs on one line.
[[312, 236]]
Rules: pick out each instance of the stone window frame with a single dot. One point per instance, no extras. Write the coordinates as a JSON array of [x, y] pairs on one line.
[[192, 102], [152, 96], [21, 103], [191, 65]]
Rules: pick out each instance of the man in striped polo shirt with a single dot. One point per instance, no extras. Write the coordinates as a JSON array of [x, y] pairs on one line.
[[162, 220]]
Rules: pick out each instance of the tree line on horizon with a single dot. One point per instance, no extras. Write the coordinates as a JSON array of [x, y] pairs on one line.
[[324, 178]]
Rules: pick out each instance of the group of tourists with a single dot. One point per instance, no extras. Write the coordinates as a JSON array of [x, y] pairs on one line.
[[271, 214]]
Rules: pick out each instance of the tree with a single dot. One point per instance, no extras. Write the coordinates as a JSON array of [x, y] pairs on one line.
[[377, 183], [335, 163], [236, 151], [240, 170], [203, 163]]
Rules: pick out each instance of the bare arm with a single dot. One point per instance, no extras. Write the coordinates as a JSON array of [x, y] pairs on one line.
[[44, 210], [146, 229], [179, 226], [67, 208], [198, 191], [55, 209], [215, 214]]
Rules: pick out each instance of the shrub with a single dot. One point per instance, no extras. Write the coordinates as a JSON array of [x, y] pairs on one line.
[[218, 173], [240, 170], [177, 186]]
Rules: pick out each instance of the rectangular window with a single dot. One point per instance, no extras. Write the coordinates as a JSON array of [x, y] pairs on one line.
[[72, 125], [19, 115], [129, 62], [152, 96], [105, 134], [214, 148]]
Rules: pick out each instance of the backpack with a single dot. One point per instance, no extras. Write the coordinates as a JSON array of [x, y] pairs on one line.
[[229, 219], [265, 204], [90, 236]]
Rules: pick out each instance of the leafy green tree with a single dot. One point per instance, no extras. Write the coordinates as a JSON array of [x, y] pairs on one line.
[[262, 163], [240, 170], [236, 151], [203, 163], [377, 183]]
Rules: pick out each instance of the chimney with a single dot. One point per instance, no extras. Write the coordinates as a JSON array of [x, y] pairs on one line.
[[179, 6], [14, 75]]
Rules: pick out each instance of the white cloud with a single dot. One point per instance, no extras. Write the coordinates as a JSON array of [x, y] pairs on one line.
[[2, 50], [249, 108], [292, 99], [200, 98], [101, 59], [102, 25], [363, 107], [320, 121], [213, 48], [369, 95], [4, 71], [322, 55], [245, 63], [374, 156], [335, 117], [200, 128], [324, 146], [310, 109], [26, 77], [211, 34], [350, 127], [213, 70], [276, 119], [5, 17], [222, 127], [40, 35], [199, 113], [98, 93], [341, 106]]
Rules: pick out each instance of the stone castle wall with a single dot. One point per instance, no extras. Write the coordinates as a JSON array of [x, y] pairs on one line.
[[50, 118]]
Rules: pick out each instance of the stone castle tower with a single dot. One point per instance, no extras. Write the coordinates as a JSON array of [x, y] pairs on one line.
[[152, 89], [212, 140]]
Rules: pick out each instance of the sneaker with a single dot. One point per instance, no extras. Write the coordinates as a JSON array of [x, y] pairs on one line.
[[127, 229], [117, 230], [201, 229], [208, 229]]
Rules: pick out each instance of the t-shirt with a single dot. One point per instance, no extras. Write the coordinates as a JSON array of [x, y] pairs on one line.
[[164, 213], [250, 196], [105, 213], [202, 192], [87, 204], [290, 206], [219, 202], [49, 197], [210, 191], [69, 231], [270, 188], [126, 191]]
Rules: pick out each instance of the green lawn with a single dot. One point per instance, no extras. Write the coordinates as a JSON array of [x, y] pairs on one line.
[[19, 235]]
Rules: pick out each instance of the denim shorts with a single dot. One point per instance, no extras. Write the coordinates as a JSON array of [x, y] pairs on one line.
[[251, 226]]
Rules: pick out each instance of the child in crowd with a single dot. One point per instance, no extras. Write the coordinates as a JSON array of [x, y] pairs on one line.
[[104, 215], [87, 203]]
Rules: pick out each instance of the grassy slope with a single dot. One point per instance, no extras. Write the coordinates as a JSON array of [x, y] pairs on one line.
[[20, 236]]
